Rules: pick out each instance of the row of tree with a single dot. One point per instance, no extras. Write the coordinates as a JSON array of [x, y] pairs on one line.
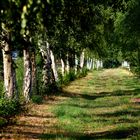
[[62, 30]]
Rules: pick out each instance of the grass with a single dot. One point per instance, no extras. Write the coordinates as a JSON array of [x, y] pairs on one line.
[[99, 106]]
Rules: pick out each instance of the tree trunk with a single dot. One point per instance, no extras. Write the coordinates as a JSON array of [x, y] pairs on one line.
[[76, 64], [93, 66], [33, 67], [82, 59], [88, 63], [48, 76], [67, 64], [54, 68], [91, 63], [27, 74], [62, 67], [8, 71]]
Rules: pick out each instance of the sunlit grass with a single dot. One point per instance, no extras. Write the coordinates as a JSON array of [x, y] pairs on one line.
[[101, 106]]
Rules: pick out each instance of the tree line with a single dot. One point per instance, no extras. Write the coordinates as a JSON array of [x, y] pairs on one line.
[[65, 32]]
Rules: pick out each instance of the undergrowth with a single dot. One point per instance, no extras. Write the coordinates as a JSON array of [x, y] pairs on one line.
[[8, 109]]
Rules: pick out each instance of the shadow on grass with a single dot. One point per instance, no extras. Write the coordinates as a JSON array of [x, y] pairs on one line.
[[67, 136], [117, 134], [114, 134], [133, 113], [39, 116], [79, 95], [95, 95]]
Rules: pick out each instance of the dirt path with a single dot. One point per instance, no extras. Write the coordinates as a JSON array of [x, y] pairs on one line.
[[32, 124]]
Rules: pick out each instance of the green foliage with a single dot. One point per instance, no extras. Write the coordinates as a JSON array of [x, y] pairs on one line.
[[82, 73], [109, 63], [127, 31], [2, 122], [67, 78], [1, 88], [38, 99], [9, 108], [136, 135], [71, 76]]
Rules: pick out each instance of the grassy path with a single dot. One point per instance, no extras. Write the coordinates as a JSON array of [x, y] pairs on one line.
[[99, 106]]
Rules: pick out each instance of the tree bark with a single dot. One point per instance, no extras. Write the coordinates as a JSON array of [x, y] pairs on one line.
[[48, 76], [62, 67], [88, 63], [33, 67], [27, 74], [54, 68], [67, 64], [82, 59], [76, 64], [8, 71]]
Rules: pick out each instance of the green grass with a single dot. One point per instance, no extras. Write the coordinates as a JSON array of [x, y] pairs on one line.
[[99, 107]]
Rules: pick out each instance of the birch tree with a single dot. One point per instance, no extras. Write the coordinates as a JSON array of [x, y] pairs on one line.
[[48, 75], [27, 73], [54, 67], [7, 64]]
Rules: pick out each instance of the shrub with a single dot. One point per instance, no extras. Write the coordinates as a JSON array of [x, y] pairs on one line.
[[38, 99], [82, 73], [2, 122], [68, 77], [71, 76], [9, 108]]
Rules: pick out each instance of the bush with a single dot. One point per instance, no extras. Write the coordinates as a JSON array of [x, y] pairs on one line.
[[135, 70], [71, 76], [2, 122], [9, 108], [38, 99], [82, 73]]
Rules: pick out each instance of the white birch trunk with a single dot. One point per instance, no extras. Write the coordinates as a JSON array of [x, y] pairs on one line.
[[62, 67], [48, 76], [98, 64], [8, 71], [82, 59], [88, 63], [27, 75], [93, 66], [67, 64], [54, 68], [76, 64], [91, 63]]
